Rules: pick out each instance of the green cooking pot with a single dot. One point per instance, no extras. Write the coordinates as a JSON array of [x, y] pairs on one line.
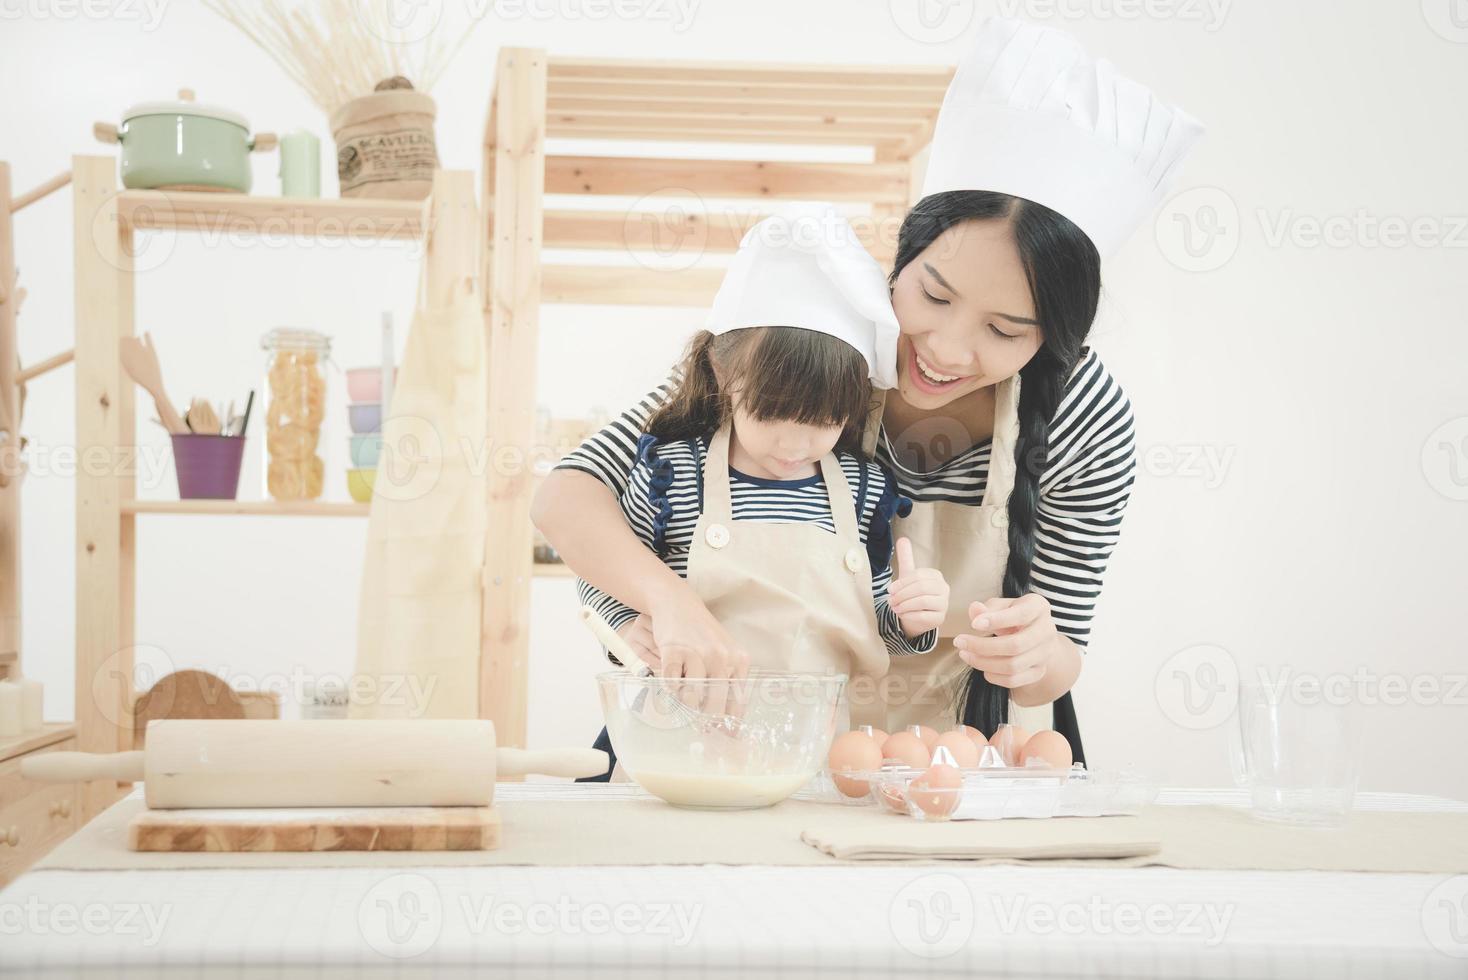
[[184, 145]]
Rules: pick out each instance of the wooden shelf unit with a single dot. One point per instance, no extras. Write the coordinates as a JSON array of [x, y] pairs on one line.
[[106, 218], [890, 111]]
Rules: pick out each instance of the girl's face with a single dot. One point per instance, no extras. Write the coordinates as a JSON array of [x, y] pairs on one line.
[[966, 313], [774, 450]]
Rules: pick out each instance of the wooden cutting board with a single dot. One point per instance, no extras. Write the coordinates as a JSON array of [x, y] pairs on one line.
[[405, 828]]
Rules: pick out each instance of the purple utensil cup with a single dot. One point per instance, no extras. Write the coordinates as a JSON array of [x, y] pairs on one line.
[[208, 466]]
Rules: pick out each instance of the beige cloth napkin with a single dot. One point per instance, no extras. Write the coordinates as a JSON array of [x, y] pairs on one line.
[[1211, 837], [902, 838]]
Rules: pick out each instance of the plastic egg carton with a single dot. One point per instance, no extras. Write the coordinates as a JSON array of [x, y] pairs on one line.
[[989, 793], [1029, 793]]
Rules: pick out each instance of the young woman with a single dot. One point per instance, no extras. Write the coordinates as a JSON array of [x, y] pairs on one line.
[[1007, 431]]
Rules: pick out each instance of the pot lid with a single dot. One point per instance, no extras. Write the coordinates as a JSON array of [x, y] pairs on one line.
[[186, 106]]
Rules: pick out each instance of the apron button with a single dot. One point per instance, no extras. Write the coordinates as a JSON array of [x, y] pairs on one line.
[[853, 560], [717, 535]]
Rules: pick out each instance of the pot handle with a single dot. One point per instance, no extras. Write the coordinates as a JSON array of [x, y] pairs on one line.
[[106, 132], [263, 142]]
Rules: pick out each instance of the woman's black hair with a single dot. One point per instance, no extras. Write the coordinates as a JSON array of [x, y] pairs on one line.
[[1064, 273]]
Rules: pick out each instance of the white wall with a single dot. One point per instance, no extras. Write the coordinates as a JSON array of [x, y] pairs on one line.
[[1325, 538]]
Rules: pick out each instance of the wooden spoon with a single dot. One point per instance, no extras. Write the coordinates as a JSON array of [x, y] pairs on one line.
[[140, 361], [202, 418]]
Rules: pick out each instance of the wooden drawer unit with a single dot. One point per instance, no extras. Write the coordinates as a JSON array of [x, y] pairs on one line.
[[34, 817]]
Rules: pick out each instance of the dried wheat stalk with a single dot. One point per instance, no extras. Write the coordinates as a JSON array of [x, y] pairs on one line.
[[338, 50]]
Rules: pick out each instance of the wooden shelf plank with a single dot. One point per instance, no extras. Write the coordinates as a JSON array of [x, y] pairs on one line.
[[261, 508], [50, 734], [623, 285], [754, 97], [673, 74], [869, 183], [247, 214]]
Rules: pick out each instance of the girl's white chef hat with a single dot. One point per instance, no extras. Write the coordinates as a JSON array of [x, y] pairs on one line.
[[1030, 114], [804, 266]]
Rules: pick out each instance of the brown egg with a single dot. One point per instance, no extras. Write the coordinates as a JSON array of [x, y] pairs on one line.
[[1048, 747], [965, 752], [877, 735], [853, 752], [974, 735], [928, 735], [908, 749], [935, 792], [1009, 739]]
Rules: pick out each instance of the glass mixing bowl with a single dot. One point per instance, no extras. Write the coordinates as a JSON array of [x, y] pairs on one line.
[[721, 745]]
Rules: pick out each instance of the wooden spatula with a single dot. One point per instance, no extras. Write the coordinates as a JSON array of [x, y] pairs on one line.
[[140, 361]]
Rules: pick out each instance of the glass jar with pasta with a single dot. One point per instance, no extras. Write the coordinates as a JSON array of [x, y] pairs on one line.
[[295, 405]]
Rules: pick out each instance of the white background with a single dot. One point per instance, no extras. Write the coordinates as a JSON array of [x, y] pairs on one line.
[[1324, 539]]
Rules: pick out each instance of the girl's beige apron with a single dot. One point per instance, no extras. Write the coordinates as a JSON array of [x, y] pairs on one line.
[[970, 546], [794, 595]]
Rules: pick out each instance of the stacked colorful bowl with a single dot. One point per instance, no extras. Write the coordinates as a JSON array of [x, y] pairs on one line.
[[364, 387]]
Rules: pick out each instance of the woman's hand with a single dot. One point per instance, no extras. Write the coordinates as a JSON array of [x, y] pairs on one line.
[[638, 634], [1014, 640], [919, 596]]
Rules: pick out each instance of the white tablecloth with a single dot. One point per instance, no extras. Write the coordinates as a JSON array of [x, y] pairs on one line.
[[677, 921]]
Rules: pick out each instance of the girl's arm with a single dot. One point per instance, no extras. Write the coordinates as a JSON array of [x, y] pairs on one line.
[[577, 510]]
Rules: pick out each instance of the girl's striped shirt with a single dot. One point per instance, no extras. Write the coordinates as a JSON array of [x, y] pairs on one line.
[[1084, 487]]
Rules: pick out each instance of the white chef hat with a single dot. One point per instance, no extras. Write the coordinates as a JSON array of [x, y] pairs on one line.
[[804, 266], [1030, 114]]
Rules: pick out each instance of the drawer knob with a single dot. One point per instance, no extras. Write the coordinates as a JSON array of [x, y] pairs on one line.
[[11, 836], [61, 808]]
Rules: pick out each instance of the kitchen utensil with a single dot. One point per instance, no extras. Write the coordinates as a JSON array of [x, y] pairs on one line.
[[201, 418], [185, 694], [357, 762], [366, 450], [140, 360], [419, 828], [359, 484], [208, 465], [365, 417], [245, 419], [389, 373], [782, 740], [719, 721], [1299, 754], [300, 164], [184, 145]]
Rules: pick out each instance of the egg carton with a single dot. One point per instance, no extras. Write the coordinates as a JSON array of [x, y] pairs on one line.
[[987, 792]]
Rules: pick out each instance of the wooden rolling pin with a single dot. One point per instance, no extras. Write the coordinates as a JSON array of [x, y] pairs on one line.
[[188, 763]]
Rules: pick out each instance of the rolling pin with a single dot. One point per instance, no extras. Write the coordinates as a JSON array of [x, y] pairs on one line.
[[187, 763]]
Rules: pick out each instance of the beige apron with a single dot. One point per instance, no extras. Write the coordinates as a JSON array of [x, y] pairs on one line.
[[795, 596], [418, 621], [970, 546]]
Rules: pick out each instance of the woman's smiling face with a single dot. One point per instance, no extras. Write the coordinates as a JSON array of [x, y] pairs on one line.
[[967, 316]]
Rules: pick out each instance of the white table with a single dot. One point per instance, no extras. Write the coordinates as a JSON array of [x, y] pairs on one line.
[[676, 921]]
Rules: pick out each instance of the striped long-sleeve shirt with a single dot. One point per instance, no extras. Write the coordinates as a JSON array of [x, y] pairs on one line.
[[673, 471], [1084, 488]]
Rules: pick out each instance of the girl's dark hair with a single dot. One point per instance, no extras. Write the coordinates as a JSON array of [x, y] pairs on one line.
[[781, 374], [1064, 273]]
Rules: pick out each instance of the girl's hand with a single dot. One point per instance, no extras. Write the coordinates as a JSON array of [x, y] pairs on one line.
[[638, 634], [1013, 641], [690, 642], [919, 596]]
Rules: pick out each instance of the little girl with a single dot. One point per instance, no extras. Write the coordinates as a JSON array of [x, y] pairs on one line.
[[750, 481]]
